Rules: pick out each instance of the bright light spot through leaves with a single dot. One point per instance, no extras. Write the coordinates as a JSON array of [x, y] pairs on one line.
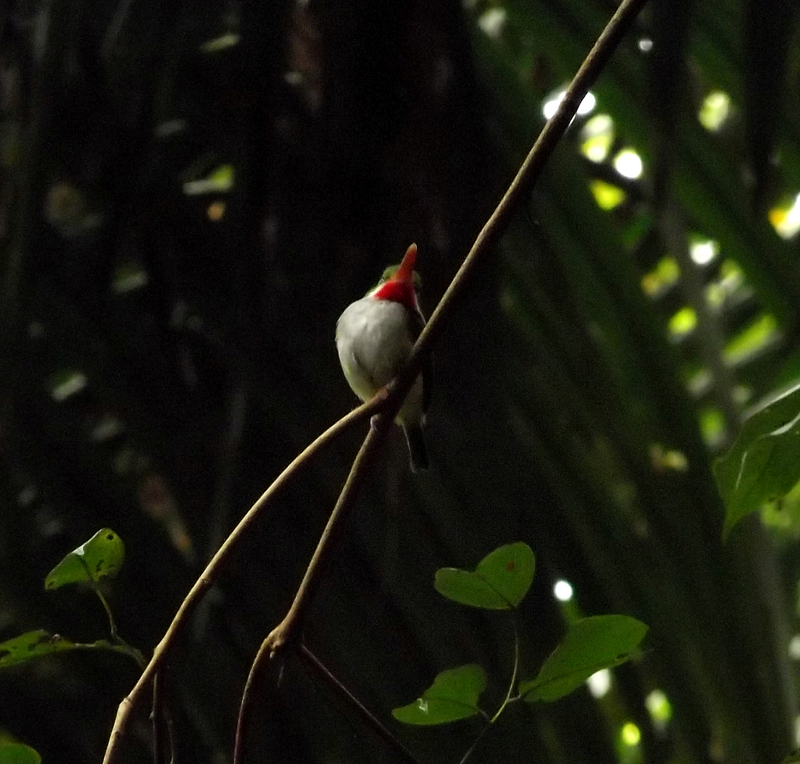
[[606, 195], [659, 708], [683, 322], [453, 695], [562, 590], [667, 459], [599, 683], [493, 22], [220, 43], [216, 211], [551, 105], [628, 164], [100, 557], [661, 277], [500, 581], [597, 137], [128, 277], [218, 181], [712, 425], [703, 252], [761, 331], [65, 384]]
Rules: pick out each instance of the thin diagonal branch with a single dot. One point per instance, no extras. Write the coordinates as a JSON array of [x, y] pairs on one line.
[[288, 631], [325, 675], [526, 177], [214, 566], [492, 231], [262, 656]]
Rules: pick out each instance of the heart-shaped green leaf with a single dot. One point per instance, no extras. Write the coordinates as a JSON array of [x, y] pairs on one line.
[[764, 462], [17, 753], [500, 582], [452, 696], [100, 557], [591, 644]]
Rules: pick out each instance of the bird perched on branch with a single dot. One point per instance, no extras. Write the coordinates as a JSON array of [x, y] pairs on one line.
[[374, 337]]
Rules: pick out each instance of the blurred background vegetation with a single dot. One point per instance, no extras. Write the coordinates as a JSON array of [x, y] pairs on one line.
[[190, 194]]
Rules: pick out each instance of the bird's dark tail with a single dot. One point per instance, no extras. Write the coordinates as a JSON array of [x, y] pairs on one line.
[[416, 448]]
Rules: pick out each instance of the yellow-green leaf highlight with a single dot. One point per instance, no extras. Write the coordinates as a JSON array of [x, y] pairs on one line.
[[18, 753], [764, 462], [101, 556]]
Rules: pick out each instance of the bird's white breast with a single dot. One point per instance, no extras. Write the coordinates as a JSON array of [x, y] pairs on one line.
[[374, 341]]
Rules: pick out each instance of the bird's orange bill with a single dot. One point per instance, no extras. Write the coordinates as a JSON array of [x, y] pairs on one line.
[[406, 270]]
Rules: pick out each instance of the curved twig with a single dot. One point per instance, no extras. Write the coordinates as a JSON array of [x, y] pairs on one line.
[[526, 177], [325, 675], [263, 655], [212, 569], [490, 233], [288, 631], [494, 228]]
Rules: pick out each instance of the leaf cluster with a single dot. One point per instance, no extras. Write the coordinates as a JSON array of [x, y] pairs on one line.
[[90, 564], [763, 465], [500, 582]]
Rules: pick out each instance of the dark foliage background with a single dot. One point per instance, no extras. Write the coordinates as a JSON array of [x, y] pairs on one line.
[[192, 192]]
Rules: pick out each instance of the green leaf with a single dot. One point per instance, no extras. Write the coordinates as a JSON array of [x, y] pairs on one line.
[[500, 582], [591, 644], [33, 644], [100, 557], [452, 696], [764, 462], [18, 753]]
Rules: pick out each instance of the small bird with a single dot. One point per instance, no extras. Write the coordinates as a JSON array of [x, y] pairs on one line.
[[374, 337]]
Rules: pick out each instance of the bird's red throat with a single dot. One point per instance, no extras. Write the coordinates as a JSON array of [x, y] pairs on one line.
[[400, 288]]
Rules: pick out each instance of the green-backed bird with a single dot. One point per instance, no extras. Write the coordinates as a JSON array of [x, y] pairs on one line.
[[374, 337]]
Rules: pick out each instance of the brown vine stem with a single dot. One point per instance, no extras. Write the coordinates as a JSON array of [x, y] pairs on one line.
[[287, 632], [526, 177], [212, 569], [495, 227], [320, 670]]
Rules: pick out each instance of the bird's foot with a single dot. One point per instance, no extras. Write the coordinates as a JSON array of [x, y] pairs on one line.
[[383, 392]]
